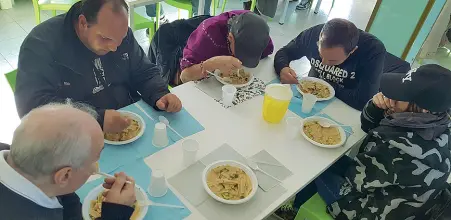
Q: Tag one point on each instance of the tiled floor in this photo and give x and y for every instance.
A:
(17, 22)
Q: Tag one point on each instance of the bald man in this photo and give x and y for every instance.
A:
(53, 153)
(90, 55)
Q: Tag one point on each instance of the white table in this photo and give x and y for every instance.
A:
(243, 128)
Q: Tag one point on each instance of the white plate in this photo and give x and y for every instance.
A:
(331, 89)
(236, 85)
(331, 122)
(140, 196)
(141, 123)
(245, 168)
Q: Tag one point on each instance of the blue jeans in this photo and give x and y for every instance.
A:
(195, 4)
(327, 185)
(151, 10)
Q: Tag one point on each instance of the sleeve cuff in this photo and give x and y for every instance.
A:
(112, 211)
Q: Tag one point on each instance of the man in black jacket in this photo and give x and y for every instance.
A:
(349, 59)
(53, 153)
(89, 55)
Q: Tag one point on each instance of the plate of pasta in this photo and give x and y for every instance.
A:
(92, 204)
(134, 131)
(318, 87)
(327, 137)
(230, 182)
(239, 78)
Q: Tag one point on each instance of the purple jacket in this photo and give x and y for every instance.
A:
(210, 40)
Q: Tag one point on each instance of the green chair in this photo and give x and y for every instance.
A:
(313, 209)
(51, 5)
(141, 22)
(224, 2)
(11, 78)
(186, 5)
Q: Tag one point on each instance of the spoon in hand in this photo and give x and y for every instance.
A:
(165, 121)
(255, 167)
(97, 171)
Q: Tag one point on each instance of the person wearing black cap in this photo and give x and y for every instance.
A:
(225, 42)
(350, 59)
(404, 162)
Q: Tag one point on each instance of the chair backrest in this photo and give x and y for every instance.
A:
(11, 78)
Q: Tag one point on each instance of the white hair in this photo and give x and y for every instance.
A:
(69, 145)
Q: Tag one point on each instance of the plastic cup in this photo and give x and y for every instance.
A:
(190, 148)
(158, 186)
(308, 101)
(276, 101)
(292, 127)
(160, 135)
(228, 94)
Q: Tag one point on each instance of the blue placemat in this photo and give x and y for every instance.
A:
(141, 173)
(296, 102)
(183, 122)
(115, 156)
(346, 128)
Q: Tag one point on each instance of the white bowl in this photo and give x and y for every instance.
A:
(236, 85)
(92, 195)
(331, 122)
(141, 123)
(245, 168)
(331, 89)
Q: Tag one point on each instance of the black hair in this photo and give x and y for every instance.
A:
(339, 32)
(90, 8)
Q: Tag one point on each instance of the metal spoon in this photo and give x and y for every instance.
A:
(213, 74)
(326, 124)
(97, 171)
(151, 203)
(165, 121)
(253, 165)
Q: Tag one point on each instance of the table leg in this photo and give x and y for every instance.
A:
(284, 13)
(201, 7)
(318, 5)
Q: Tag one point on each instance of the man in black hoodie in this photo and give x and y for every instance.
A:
(53, 153)
(90, 55)
(351, 60)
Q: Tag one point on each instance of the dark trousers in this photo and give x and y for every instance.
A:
(327, 185)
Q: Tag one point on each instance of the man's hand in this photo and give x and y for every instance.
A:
(288, 76)
(169, 103)
(119, 191)
(114, 122)
(383, 102)
(226, 64)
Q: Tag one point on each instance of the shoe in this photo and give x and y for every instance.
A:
(163, 20)
(287, 211)
(304, 5)
(247, 5)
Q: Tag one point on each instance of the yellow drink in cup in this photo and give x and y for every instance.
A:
(276, 101)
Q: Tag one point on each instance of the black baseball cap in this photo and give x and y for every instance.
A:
(251, 34)
(428, 86)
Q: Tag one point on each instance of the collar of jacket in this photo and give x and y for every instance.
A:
(427, 125)
(74, 49)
